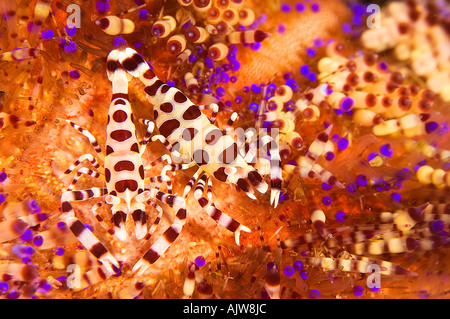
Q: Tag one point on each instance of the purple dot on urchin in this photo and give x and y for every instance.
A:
(327, 201)
(340, 216)
(74, 74)
(288, 271)
(361, 180)
(375, 289)
(351, 188)
(102, 6)
(33, 206)
(292, 83)
(59, 251)
(342, 143)
(13, 295)
(304, 70)
(383, 66)
(371, 156)
(38, 241)
(255, 46)
(314, 294)
(346, 104)
(431, 126)
(27, 235)
(285, 7)
(235, 65)
(262, 18)
(312, 77)
(437, 226)
(358, 291)
(396, 196)
(311, 52)
(47, 34)
(346, 27)
(281, 28)
(71, 30)
(44, 287)
(318, 42)
(4, 286)
(300, 7)
(357, 20)
(315, 7)
(231, 56)
(386, 150)
(70, 47)
(143, 14)
(298, 265)
(220, 91)
(118, 42)
(22, 251)
(199, 261)
(61, 225)
(255, 88)
(329, 156)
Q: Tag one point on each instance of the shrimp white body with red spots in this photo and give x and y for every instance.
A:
(194, 139)
(124, 175)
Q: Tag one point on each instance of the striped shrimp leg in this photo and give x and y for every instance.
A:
(307, 169)
(437, 209)
(263, 145)
(81, 159)
(170, 234)
(360, 265)
(91, 139)
(389, 246)
(312, 238)
(275, 168)
(317, 147)
(215, 213)
(83, 234)
(83, 171)
(89, 278)
(206, 203)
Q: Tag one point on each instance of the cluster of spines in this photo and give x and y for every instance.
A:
(194, 23)
(412, 229)
(364, 88)
(20, 276)
(418, 34)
